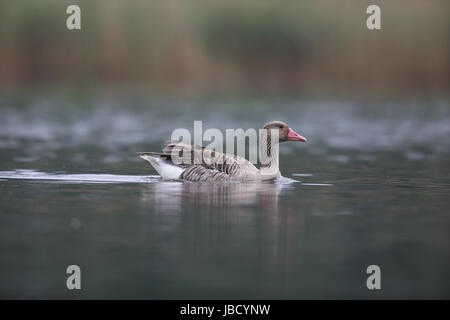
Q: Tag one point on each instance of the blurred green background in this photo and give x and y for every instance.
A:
(295, 48)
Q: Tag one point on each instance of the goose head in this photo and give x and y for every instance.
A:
(285, 133)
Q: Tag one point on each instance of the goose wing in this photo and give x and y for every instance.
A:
(202, 164)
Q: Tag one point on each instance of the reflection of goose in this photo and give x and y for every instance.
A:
(198, 221)
(174, 195)
(216, 166)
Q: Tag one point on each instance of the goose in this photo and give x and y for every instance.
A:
(216, 166)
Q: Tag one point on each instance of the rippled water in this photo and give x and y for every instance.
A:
(371, 186)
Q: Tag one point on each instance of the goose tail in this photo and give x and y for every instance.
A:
(166, 169)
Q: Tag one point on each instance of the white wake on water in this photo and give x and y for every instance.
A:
(27, 174)
(76, 178)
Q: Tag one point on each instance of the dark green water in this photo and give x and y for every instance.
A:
(373, 188)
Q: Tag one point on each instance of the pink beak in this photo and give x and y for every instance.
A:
(294, 136)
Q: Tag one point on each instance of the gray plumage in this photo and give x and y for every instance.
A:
(199, 164)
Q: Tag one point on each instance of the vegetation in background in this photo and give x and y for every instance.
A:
(204, 47)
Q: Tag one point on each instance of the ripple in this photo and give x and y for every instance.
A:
(26, 174)
(76, 178)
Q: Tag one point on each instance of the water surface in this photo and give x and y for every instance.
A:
(371, 186)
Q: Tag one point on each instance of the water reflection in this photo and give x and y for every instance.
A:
(176, 195)
(248, 222)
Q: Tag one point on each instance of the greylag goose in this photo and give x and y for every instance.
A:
(215, 166)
